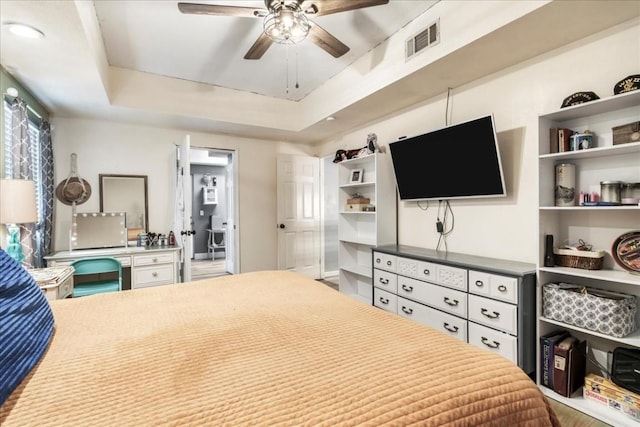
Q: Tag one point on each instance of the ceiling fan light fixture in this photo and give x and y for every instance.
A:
(286, 24)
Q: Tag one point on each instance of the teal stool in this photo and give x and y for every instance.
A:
(89, 276)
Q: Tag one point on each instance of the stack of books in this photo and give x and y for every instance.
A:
(563, 359)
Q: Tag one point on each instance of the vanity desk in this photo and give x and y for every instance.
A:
(142, 267)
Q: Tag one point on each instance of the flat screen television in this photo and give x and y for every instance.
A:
(458, 161)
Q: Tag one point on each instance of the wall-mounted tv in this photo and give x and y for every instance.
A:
(458, 161)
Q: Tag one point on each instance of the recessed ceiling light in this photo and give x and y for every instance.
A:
(24, 30)
(330, 118)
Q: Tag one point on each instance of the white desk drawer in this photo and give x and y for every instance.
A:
(445, 299)
(452, 277)
(66, 288)
(384, 261)
(498, 315)
(385, 300)
(416, 269)
(495, 341)
(153, 276)
(443, 322)
(494, 286)
(385, 280)
(152, 259)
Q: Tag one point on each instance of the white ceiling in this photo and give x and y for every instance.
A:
(145, 62)
(154, 37)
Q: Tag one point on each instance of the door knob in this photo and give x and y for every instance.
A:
(281, 226)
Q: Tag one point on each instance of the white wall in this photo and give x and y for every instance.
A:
(117, 148)
(507, 227)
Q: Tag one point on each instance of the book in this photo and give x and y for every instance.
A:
(561, 365)
(553, 140)
(564, 139)
(576, 367)
(547, 342)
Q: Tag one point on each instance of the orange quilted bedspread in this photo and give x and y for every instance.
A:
(266, 348)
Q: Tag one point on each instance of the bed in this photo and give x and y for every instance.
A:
(263, 348)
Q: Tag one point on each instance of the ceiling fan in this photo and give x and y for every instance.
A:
(286, 21)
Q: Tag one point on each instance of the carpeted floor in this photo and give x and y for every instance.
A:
(568, 416)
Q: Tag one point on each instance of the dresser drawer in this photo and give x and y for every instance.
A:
(452, 277)
(498, 315)
(385, 280)
(384, 261)
(498, 342)
(494, 286)
(152, 259)
(416, 269)
(445, 299)
(385, 300)
(443, 322)
(153, 276)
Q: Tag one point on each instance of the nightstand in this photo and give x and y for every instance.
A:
(55, 282)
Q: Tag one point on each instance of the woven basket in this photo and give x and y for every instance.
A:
(585, 260)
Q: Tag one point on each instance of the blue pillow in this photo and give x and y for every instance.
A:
(26, 324)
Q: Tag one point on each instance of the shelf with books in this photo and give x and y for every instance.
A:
(598, 226)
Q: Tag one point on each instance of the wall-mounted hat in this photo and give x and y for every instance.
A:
(579, 98)
(73, 189)
(627, 84)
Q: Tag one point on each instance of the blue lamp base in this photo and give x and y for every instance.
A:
(14, 248)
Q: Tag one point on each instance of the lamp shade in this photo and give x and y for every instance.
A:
(17, 201)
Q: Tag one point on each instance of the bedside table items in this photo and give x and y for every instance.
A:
(626, 251)
(565, 190)
(55, 282)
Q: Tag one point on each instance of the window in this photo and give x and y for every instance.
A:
(34, 137)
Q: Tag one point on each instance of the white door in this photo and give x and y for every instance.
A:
(231, 236)
(299, 214)
(183, 207)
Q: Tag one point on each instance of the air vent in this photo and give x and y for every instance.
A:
(426, 38)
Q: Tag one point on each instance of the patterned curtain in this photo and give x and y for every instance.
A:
(45, 224)
(22, 168)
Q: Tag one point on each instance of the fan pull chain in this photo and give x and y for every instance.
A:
(297, 84)
(287, 67)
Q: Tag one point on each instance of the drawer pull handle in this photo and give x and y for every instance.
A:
(407, 310)
(384, 300)
(155, 260)
(378, 260)
(407, 288)
(486, 313)
(426, 272)
(384, 281)
(453, 329)
(452, 303)
(479, 283)
(154, 274)
(502, 288)
(389, 263)
(486, 342)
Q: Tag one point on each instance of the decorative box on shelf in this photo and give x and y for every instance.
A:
(586, 260)
(357, 204)
(626, 133)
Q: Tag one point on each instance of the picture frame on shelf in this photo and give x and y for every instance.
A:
(355, 176)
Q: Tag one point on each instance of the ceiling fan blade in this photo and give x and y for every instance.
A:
(327, 7)
(211, 9)
(326, 41)
(259, 47)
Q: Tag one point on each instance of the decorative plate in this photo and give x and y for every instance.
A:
(626, 251)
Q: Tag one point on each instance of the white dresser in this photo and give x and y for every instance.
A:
(141, 266)
(484, 301)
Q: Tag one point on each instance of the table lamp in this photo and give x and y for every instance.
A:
(17, 206)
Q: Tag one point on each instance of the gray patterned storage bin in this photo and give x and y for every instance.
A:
(610, 313)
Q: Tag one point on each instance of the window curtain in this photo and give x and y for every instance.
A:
(45, 219)
(25, 157)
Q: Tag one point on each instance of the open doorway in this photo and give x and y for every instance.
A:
(213, 212)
